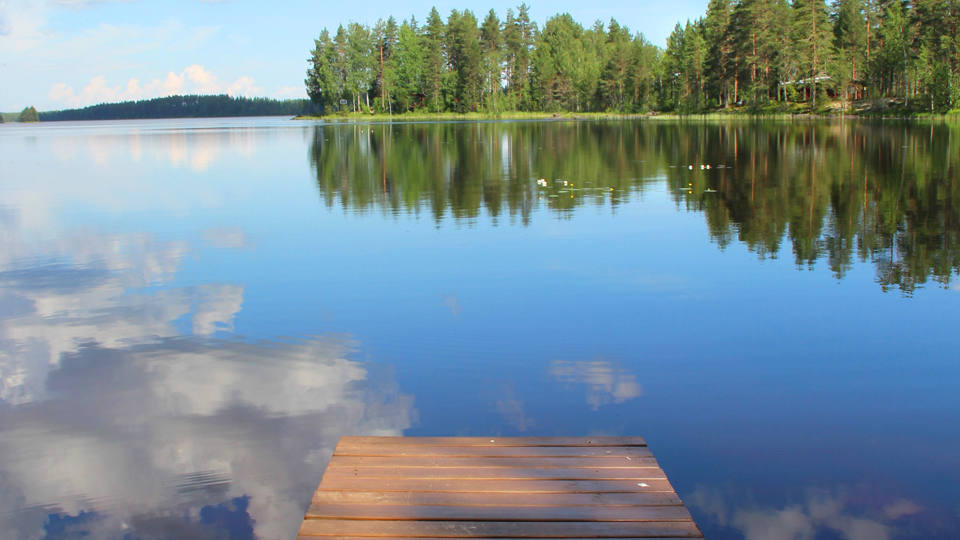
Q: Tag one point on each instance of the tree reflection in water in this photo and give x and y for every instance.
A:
(838, 192)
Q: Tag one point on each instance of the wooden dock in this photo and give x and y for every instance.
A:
(473, 487)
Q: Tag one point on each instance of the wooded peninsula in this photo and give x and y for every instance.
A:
(189, 106)
(757, 56)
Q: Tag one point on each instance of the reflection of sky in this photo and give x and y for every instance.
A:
(780, 402)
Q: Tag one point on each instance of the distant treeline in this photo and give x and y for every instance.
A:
(193, 106)
(762, 53)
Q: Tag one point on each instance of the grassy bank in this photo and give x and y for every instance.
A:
(798, 111)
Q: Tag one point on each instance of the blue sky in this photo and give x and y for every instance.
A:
(58, 54)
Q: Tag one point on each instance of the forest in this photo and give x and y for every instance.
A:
(754, 55)
(192, 106)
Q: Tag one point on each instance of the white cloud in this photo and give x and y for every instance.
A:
(80, 4)
(290, 92)
(194, 79)
(244, 86)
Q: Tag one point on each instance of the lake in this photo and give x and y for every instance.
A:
(193, 311)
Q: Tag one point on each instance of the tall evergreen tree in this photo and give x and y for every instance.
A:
(361, 64)
(615, 77)
(462, 41)
(433, 56)
(491, 46)
(519, 34)
(849, 25)
(812, 38)
(405, 68)
(716, 27)
(324, 86)
(29, 114)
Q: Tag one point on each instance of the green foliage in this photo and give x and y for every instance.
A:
(761, 56)
(29, 114)
(192, 106)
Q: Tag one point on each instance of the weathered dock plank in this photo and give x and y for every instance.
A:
(381, 450)
(495, 441)
(484, 486)
(603, 462)
(504, 488)
(499, 473)
(659, 498)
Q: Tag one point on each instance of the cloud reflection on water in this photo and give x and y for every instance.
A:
(821, 513)
(115, 424)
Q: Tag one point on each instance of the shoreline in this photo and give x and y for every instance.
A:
(729, 115)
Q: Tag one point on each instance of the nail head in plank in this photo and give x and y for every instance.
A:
(518, 487)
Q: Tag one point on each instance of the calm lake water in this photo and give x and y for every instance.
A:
(192, 312)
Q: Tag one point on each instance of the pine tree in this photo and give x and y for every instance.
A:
(462, 41)
(849, 25)
(694, 56)
(337, 59)
(324, 86)
(361, 70)
(433, 57)
(491, 45)
(716, 27)
(812, 43)
(29, 114)
(615, 78)
(519, 35)
(405, 67)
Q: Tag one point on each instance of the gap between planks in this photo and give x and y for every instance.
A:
(380, 450)
(493, 441)
(496, 513)
(494, 486)
(504, 488)
(498, 529)
(602, 462)
(481, 473)
(497, 499)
